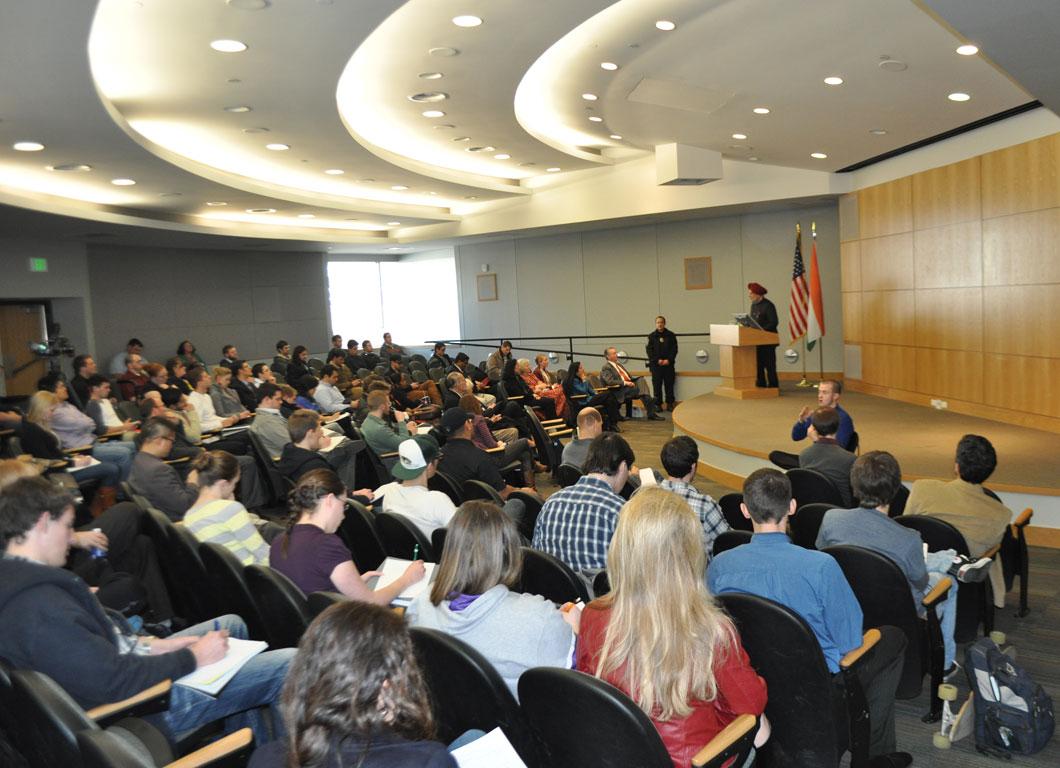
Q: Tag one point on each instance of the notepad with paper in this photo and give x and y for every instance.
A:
(490, 751)
(213, 677)
(392, 569)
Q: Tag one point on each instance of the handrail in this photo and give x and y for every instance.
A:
(494, 342)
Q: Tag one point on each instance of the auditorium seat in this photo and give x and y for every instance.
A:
(809, 486)
(401, 537)
(567, 475)
(230, 589)
(357, 531)
(532, 504)
(478, 490)
(728, 540)
(102, 749)
(551, 578)
(730, 508)
(281, 604)
(805, 524)
(442, 482)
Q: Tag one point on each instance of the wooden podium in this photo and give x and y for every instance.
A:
(739, 361)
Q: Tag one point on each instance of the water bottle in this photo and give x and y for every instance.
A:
(97, 553)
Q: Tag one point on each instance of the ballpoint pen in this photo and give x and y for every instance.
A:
(416, 552)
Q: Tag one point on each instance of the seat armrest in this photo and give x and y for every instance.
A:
(580, 397)
(868, 642)
(546, 422)
(230, 746)
(1023, 519)
(79, 449)
(560, 432)
(388, 455)
(515, 397)
(148, 701)
(181, 460)
(939, 593)
(497, 449)
(730, 736)
(992, 551)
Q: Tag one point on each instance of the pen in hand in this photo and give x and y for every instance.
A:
(416, 552)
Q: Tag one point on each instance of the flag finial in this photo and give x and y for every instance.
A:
(813, 228)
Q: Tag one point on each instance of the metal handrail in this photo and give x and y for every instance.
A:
(493, 342)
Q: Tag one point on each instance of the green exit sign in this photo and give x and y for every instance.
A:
(37, 264)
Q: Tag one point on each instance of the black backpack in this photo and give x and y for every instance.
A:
(1013, 714)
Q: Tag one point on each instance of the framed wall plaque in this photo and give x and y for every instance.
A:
(698, 273)
(486, 286)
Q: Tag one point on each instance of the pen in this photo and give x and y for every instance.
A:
(216, 625)
(416, 552)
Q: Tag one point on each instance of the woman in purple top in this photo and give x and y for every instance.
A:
(314, 558)
(514, 450)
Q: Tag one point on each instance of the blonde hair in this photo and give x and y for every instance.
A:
(220, 371)
(665, 633)
(40, 407)
(12, 470)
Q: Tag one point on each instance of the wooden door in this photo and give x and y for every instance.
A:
(21, 324)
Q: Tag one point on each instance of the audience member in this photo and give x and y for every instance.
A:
(589, 425)
(581, 394)
(262, 374)
(480, 381)
(472, 598)
(187, 354)
(541, 371)
(226, 400)
(289, 400)
(812, 584)
(307, 389)
(299, 365)
(662, 358)
(84, 367)
(174, 407)
(825, 455)
(101, 410)
(269, 424)
(828, 393)
(498, 359)
(680, 459)
(157, 378)
(348, 384)
(369, 358)
(202, 402)
(613, 373)
(699, 679)
(388, 347)
(378, 433)
(177, 369)
(553, 392)
(229, 356)
(576, 523)
(132, 382)
(327, 394)
(512, 450)
(314, 558)
(355, 697)
(336, 343)
(516, 386)
(117, 365)
(463, 461)
(217, 517)
(283, 357)
(157, 481)
(243, 385)
(438, 358)
(408, 495)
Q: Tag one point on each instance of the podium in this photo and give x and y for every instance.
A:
(739, 361)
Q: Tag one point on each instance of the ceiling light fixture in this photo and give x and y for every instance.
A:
(69, 167)
(471, 197)
(261, 210)
(278, 147)
(122, 182)
(753, 159)
(334, 171)
(433, 113)
(527, 165)
(665, 25)
(595, 119)
(480, 149)
(443, 51)
(393, 223)
(878, 132)
(502, 156)
(256, 129)
(399, 187)
(27, 146)
(818, 155)
(761, 110)
(553, 169)
(306, 216)
(248, 5)
(739, 136)
(238, 108)
(462, 138)
(610, 66)
(228, 46)
(833, 80)
(589, 96)
(430, 75)
(958, 96)
(215, 203)
(429, 96)
(967, 49)
(616, 137)
(467, 21)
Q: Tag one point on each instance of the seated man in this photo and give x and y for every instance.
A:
(613, 373)
(964, 504)
(498, 359)
(462, 460)
(876, 478)
(243, 384)
(576, 523)
(261, 374)
(812, 584)
(118, 364)
(389, 347)
(457, 385)
(209, 421)
(479, 380)
(680, 459)
(101, 409)
(825, 455)
(438, 358)
(369, 359)
(133, 381)
(229, 356)
(157, 481)
(176, 369)
(327, 394)
(349, 385)
(310, 447)
(269, 424)
(84, 367)
(828, 393)
(408, 495)
(54, 624)
(590, 424)
(380, 436)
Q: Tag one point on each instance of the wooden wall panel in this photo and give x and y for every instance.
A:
(949, 256)
(850, 265)
(950, 373)
(1025, 384)
(1022, 178)
(886, 209)
(889, 366)
(947, 195)
(848, 217)
(888, 317)
(1022, 249)
(1022, 320)
(950, 318)
(852, 317)
(887, 263)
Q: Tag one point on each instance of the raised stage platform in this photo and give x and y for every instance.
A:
(735, 438)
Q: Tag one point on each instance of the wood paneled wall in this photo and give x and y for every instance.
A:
(951, 285)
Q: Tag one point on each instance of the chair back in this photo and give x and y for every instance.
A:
(442, 482)
(532, 504)
(545, 447)
(357, 531)
(419, 375)
(601, 584)
(230, 587)
(277, 483)
(808, 486)
(897, 506)
(316, 365)
(476, 489)
(551, 578)
(467, 692)
(730, 508)
(438, 541)
(805, 524)
(280, 602)
(401, 537)
(418, 358)
(802, 705)
(48, 720)
(583, 721)
(728, 540)
(854, 444)
(318, 602)
(182, 568)
(129, 410)
(567, 475)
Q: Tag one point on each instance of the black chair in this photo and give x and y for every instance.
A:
(1021, 556)
(278, 484)
(102, 749)
(809, 728)
(438, 541)
(280, 602)
(230, 587)
(897, 505)
(440, 481)
(567, 475)
(401, 538)
(551, 578)
(728, 540)
(128, 410)
(601, 584)
(730, 508)
(532, 502)
(318, 602)
(809, 486)
(357, 531)
(544, 440)
(467, 692)
(885, 599)
(975, 602)
(182, 569)
(854, 445)
(804, 525)
(611, 730)
(476, 489)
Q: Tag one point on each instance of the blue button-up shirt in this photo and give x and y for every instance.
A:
(808, 582)
(576, 524)
(842, 435)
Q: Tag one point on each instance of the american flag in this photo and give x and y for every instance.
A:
(799, 291)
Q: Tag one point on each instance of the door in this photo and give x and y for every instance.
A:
(20, 326)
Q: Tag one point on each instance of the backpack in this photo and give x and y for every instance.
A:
(1013, 714)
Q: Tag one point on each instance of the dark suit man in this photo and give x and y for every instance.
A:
(662, 359)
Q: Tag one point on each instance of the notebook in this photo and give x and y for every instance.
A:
(213, 677)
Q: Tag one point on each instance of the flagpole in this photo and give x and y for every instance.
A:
(804, 382)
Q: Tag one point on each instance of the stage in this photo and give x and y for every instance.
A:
(736, 436)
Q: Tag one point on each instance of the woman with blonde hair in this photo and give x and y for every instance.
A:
(226, 400)
(660, 637)
(471, 597)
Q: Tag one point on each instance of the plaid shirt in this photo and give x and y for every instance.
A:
(576, 524)
(704, 506)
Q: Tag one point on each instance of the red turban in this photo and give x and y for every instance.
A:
(757, 288)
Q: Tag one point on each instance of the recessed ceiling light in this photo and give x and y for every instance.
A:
(433, 113)
(27, 146)
(471, 197)
(616, 137)
(399, 187)
(238, 108)
(306, 216)
(967, 49)
(69, 167)
(753, 158)
(393, 223)
(278, 147)
(462, 138)
(665, 26)
(429, 96)
(444, 51)
(467, 21)
(430, 75)
(233, 80)
(553, 169)
(589, 96)
(958, 96)
(443, 126)
(256, 129)
(878, 132)
(818, 155)
(595, 119)
(215, 203)
(261, 210)
(480, 149)
(527, 165)
(248, 5)
(761, 110)
(170, 194)
(833, 80)
(502, 156)
(892, 65)
(739, 136)
(432, 193)
(394, 248)
(228, 46)
(365, 181)
(122, 182)
(334, 171)
(610, 66)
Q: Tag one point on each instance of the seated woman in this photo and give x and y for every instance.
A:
(299, 365)
(577, 383)
(697, 679)
(514, 450)
(471, 597)
(217, 517)
(226, 400)
(514, 386)
(354, 696)
(187, 354)
(553, 392)
(313, 557)
(157, 378)
(307, 387)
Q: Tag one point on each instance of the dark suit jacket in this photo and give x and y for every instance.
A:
(160, 484)
(832, 461)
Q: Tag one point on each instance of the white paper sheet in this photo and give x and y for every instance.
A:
(213, 677)
(491, 751)
(392, 569)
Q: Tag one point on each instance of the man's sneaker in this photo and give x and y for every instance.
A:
(970, 571)
(952, 671)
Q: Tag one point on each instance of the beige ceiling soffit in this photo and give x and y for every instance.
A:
(674, 95)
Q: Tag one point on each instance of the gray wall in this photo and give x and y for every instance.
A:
(617, 281)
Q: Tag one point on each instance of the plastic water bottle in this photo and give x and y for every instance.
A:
(97, 553)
